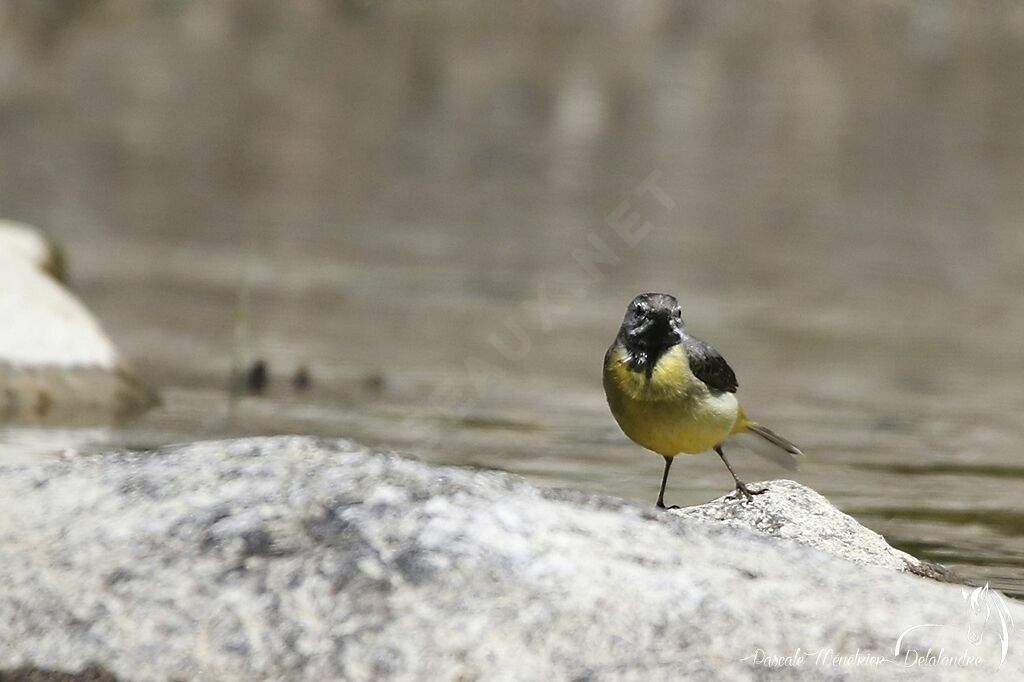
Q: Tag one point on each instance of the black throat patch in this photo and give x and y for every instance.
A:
(645, 359)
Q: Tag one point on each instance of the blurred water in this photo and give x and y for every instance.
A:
(442, 213)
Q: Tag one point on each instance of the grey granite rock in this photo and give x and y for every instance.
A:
(795, 512)
(304, 559)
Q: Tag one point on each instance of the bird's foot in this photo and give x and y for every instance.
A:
(661, 505)
(743, 492)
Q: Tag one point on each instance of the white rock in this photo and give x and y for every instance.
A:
(56, 362)
(27, 244)
(44, 324)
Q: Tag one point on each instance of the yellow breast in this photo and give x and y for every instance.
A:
(671, 411)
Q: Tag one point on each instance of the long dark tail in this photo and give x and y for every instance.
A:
(768, 444)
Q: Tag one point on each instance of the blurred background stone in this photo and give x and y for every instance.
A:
(56, 363)
(28, 244)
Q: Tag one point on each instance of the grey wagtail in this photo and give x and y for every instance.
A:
(671, 392)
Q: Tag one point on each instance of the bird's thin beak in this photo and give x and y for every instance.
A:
(641, 328)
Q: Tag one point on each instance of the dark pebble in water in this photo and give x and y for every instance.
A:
(375, 382)
(257, 377)
(301, 380)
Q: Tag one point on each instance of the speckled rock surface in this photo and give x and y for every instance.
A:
(795, 512)
(303, 559)
(56, 362)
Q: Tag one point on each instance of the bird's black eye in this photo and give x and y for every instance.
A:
(677, 313)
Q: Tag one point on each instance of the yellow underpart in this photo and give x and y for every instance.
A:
(672, 411)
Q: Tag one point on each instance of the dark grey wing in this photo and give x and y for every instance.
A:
(708, 366)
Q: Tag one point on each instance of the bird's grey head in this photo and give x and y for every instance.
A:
(652, 321)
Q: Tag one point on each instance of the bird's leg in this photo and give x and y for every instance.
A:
(741, 487)
(664, 480)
